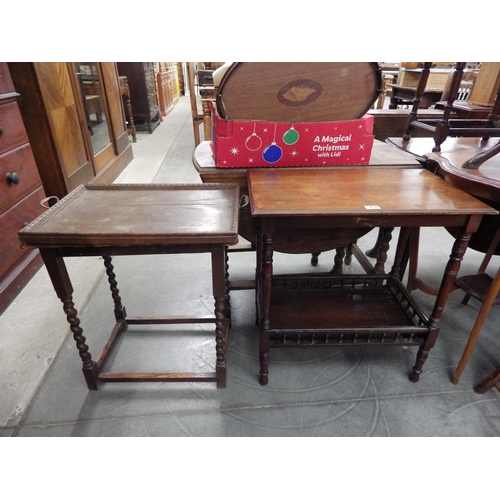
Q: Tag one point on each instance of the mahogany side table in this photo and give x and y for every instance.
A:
(383, 156)
(124, 219)
(322, 310)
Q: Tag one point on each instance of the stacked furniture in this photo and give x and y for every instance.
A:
(448, 126)
(403, 91)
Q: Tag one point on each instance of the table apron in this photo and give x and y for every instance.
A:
(86, 251)
(269, 224)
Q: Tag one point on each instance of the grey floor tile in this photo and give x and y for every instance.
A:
(445, 416)
(311, 392)
(383, 417)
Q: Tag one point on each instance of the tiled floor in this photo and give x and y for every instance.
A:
(337, 392)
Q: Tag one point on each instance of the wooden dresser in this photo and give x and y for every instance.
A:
(143, 95)
(20, 194)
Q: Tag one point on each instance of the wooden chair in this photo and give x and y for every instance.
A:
(207, 94)
(447, 126)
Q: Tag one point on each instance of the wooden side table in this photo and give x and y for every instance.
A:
(138, 220)
(383, 156)
(323, 310)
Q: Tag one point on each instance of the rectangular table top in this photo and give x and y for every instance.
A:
(382, 155)
(357, 192)
(137, 215)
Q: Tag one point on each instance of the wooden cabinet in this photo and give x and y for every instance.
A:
(143, 95)
(21, 192)
(72, 142)
(166, 82)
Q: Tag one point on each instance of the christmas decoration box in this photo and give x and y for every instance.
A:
(239, 143)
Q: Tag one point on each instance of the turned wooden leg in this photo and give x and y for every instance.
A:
(120, 312)
(266, 280)
(62, 285)
(338, 261)
(447, 286)
(89, 367)
(226, 287)
(419, 363)
(220, 285)
(379, 267)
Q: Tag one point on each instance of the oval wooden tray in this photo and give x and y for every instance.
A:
(299, 91)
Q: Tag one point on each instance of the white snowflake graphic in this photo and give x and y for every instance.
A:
(294, 153)
(234, 151)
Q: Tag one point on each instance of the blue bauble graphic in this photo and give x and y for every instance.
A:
(272, 153)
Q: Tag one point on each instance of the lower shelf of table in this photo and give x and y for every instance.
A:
(317, 310)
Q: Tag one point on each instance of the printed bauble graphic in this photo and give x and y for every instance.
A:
(253, 142)
(290, 137)
(272, 153)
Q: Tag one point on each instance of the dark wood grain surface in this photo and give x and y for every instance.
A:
(127, 215)
(357, 192)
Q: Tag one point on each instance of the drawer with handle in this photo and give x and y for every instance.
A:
(12, 131)
(18, 175)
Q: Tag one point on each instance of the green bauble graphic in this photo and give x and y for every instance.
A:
(291, 136)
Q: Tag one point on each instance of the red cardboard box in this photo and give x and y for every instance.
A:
(280, 144)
